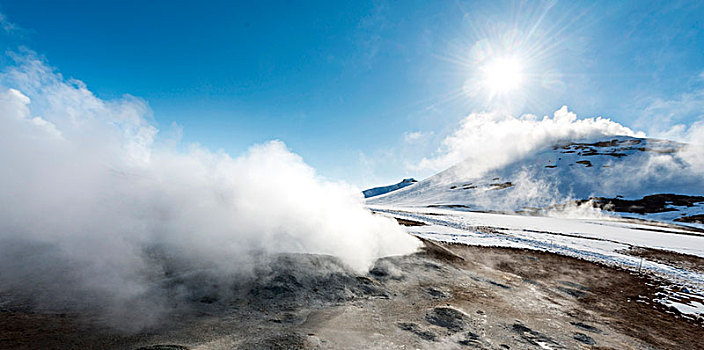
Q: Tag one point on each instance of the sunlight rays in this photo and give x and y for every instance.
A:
(510, 62)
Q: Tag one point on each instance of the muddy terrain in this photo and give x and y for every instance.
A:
(445, 297)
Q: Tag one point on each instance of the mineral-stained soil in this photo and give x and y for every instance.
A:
(446, 297)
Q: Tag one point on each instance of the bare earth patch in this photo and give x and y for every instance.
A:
(408, 222)
(448, 297)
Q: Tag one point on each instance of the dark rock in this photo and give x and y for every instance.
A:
(208, 299)
(436, 293)
(534, 337)
(303, 279)
(384, 270)
(408, 222)
(500, 186)
(583, 338)
(573, 285)
(501, 285)
(282, 286)
(694, 219)
(573, 292)
(586, 327)
(656, 203)
(473, 340)
(447, 317)
(417, 330)
(379, 272)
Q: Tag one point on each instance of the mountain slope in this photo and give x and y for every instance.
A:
(624, 169)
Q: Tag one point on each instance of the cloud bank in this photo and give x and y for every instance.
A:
(88, 194)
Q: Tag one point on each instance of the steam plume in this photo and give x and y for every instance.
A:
(88, 194)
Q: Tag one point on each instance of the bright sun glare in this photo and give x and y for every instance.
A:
(503, 74)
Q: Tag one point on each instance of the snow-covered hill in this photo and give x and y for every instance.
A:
(617, 173)
(377, 191)
(658, 180)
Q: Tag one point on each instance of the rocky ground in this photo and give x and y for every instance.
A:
(445, 297)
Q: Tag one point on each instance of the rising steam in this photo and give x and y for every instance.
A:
(490, 140)
(88, 194)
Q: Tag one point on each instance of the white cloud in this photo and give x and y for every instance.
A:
(415, 136)
(680, 119)
(666, 118)
(489, 140)
(6, 25)
(104, 193)
(367, 36)
(14, 105)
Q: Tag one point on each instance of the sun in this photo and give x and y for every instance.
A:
(503, 74)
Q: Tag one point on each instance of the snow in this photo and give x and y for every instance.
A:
(685, 301)
(602, 240)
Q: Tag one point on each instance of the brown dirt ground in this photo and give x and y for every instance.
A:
(612, 295)
(446, 297)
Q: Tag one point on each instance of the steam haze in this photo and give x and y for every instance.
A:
(88, 196)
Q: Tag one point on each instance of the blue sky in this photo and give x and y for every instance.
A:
(364, 90)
